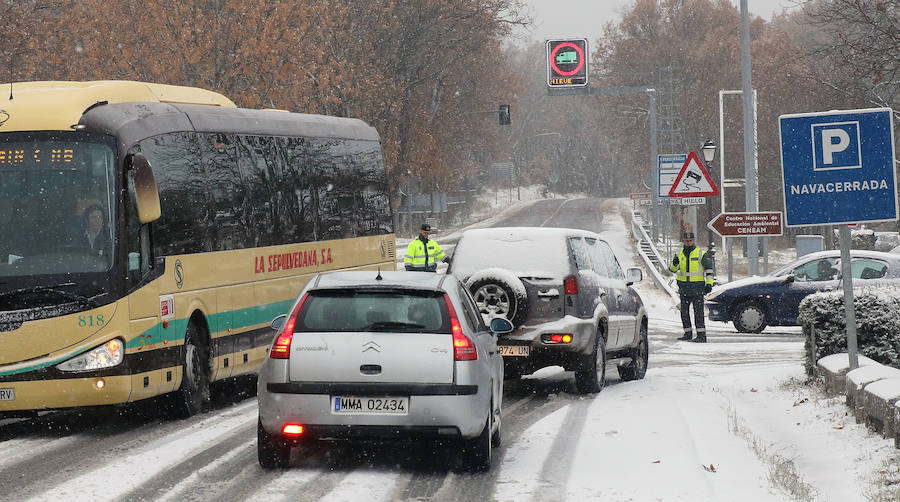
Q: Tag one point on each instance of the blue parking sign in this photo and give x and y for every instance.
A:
(838, 167)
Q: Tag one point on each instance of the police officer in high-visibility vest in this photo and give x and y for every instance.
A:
(695, 275)
(422, 254)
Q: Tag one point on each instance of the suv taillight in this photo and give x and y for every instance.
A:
(571, 283)
(281, 349)
(463, 348)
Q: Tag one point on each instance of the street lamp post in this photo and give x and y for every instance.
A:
(709, 154)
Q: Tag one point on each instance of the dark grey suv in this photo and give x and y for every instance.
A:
(565, 293)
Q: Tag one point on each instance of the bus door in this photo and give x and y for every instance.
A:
(147, 345)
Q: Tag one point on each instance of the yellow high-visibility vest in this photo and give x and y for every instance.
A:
(690, 268)
(416, 258)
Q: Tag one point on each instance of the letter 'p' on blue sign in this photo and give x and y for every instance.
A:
(836, 146)
(838, 167)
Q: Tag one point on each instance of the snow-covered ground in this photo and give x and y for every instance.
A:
(733, 401)
(730, 420)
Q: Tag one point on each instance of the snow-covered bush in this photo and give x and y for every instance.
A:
(860, 238)
(877, 311)
(886, 241)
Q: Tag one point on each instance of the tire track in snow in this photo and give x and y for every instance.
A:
(114, 478)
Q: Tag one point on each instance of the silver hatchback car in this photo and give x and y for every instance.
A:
(382, 355)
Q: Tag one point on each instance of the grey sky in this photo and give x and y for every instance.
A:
(585, 18)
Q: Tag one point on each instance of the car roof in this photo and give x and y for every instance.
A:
(388, 279)
(854, 253)
(515, 232)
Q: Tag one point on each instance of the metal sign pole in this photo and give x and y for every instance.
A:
(849, 310)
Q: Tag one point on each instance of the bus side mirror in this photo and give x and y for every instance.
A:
(145, 190)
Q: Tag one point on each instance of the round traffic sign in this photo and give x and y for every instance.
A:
(580, 60)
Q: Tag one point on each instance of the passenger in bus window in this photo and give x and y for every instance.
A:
(95, 231)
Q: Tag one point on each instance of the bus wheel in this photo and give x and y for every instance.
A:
(193, 395)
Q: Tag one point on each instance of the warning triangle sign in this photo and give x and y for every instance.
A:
(693, 180)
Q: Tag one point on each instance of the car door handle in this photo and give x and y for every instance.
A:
(551, 293)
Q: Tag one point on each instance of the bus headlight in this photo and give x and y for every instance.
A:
(107, 355)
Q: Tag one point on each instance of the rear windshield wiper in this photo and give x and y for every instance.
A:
(52, 289)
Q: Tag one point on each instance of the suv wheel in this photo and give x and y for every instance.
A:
(496, 297)
(592, 379)
(639, 355)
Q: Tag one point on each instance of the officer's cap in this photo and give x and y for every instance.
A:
(425, 227)
(687, 236)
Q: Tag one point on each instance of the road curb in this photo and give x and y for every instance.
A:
(872, 391)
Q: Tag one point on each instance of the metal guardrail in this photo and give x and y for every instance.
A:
(650, 255)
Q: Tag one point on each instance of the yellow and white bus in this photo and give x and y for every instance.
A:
(211, 218)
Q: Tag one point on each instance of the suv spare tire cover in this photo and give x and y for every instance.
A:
(499, 293)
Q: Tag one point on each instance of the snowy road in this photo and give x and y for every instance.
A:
(726, 421)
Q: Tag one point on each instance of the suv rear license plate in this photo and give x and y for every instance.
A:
(514, 350)
(352, 405)
(7, 394)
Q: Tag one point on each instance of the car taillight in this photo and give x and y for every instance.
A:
(463, 348)
(292, 430)
(556, 338)
(281, 349)
(571, 283)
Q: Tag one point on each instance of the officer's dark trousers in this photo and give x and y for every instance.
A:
(686, 303)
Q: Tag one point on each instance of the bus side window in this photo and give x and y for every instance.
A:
(138, 241)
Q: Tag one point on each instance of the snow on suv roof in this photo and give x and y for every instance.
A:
(526, 251)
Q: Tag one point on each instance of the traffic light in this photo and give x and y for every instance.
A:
(567, 63)
(504, 114)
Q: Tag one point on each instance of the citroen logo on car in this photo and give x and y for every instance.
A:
(371, 346)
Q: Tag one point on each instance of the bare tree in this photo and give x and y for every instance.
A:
(856, 47)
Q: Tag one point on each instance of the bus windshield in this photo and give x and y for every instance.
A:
(56, 207)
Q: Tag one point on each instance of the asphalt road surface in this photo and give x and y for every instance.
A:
(133, 454)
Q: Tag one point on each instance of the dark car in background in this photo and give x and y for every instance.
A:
(774, 299)
(565, 293)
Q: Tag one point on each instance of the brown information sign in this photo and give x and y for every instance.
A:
(746, 224)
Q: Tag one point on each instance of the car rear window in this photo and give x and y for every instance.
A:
(394, 311)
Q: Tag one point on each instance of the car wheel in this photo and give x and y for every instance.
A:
(496, 297)
(193, 395)
(592, 379)
(271, 451)
(496, 439)
(476, 452)
(639, 355)
(749, 318)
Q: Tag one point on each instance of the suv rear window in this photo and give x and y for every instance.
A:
(395, 311)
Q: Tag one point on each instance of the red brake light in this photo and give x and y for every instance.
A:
(463, 348)
(292, 430)
(571, 283)
(281, 349)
